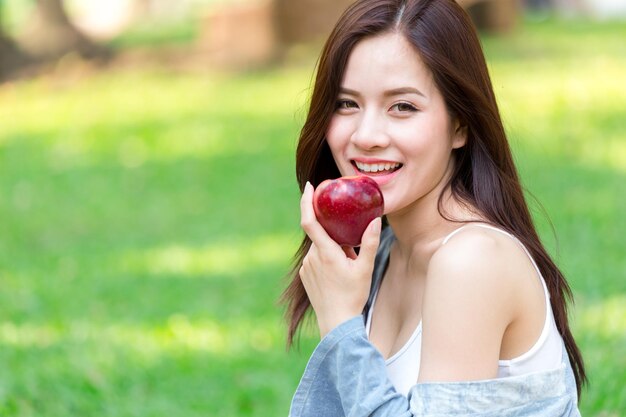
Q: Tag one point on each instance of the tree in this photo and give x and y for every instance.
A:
(11, 57)
(50, 34)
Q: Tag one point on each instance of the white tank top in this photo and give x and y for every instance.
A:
(403, 367)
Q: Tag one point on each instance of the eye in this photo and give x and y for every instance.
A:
(346, 105)
(404, 107)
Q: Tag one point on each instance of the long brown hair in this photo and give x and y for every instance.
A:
(484, 177)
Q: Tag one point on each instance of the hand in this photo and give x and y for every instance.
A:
(336, 280)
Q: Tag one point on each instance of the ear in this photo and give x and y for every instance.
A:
(459, 137)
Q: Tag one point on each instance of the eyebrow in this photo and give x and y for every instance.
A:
(388, 93)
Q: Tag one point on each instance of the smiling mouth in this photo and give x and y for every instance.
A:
(382, 168)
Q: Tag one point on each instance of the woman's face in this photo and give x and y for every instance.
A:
(391, 122)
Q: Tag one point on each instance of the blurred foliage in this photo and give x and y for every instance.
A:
(143, 35)
(149, 217)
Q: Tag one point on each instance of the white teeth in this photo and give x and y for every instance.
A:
(373, 168)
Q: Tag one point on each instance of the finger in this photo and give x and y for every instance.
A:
(309, 223)
(370, 242)
(349, 251)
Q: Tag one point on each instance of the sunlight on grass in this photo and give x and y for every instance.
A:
(606, 318)
(567, 110)
(217, 337)
(177, 334)
(146, 116)
(221, 258)
(28, 335)
(181, 334)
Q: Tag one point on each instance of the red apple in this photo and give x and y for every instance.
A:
(345, 207)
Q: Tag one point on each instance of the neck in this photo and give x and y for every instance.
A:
(420, 228)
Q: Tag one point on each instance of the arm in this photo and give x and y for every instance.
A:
(336, 280)
(469, 301)
(346, 357)
(346, 375)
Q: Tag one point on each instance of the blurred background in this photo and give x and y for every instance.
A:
(149, 210)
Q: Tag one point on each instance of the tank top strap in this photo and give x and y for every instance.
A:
(497, 229)
(486, 226)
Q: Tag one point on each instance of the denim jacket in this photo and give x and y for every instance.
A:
(346, 376)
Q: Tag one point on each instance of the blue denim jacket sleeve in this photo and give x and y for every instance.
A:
(346, 376)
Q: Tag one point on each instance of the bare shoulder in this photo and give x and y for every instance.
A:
(482, 272)
(475, 288)
(483, 256)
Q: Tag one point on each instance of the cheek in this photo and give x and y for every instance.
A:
(427, 137)
(411, 138)
(338, 134)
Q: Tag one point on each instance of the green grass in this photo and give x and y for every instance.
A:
(148, 218)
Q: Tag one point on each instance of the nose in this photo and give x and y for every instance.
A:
(370, 131)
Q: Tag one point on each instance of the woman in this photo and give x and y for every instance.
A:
(455, 307)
